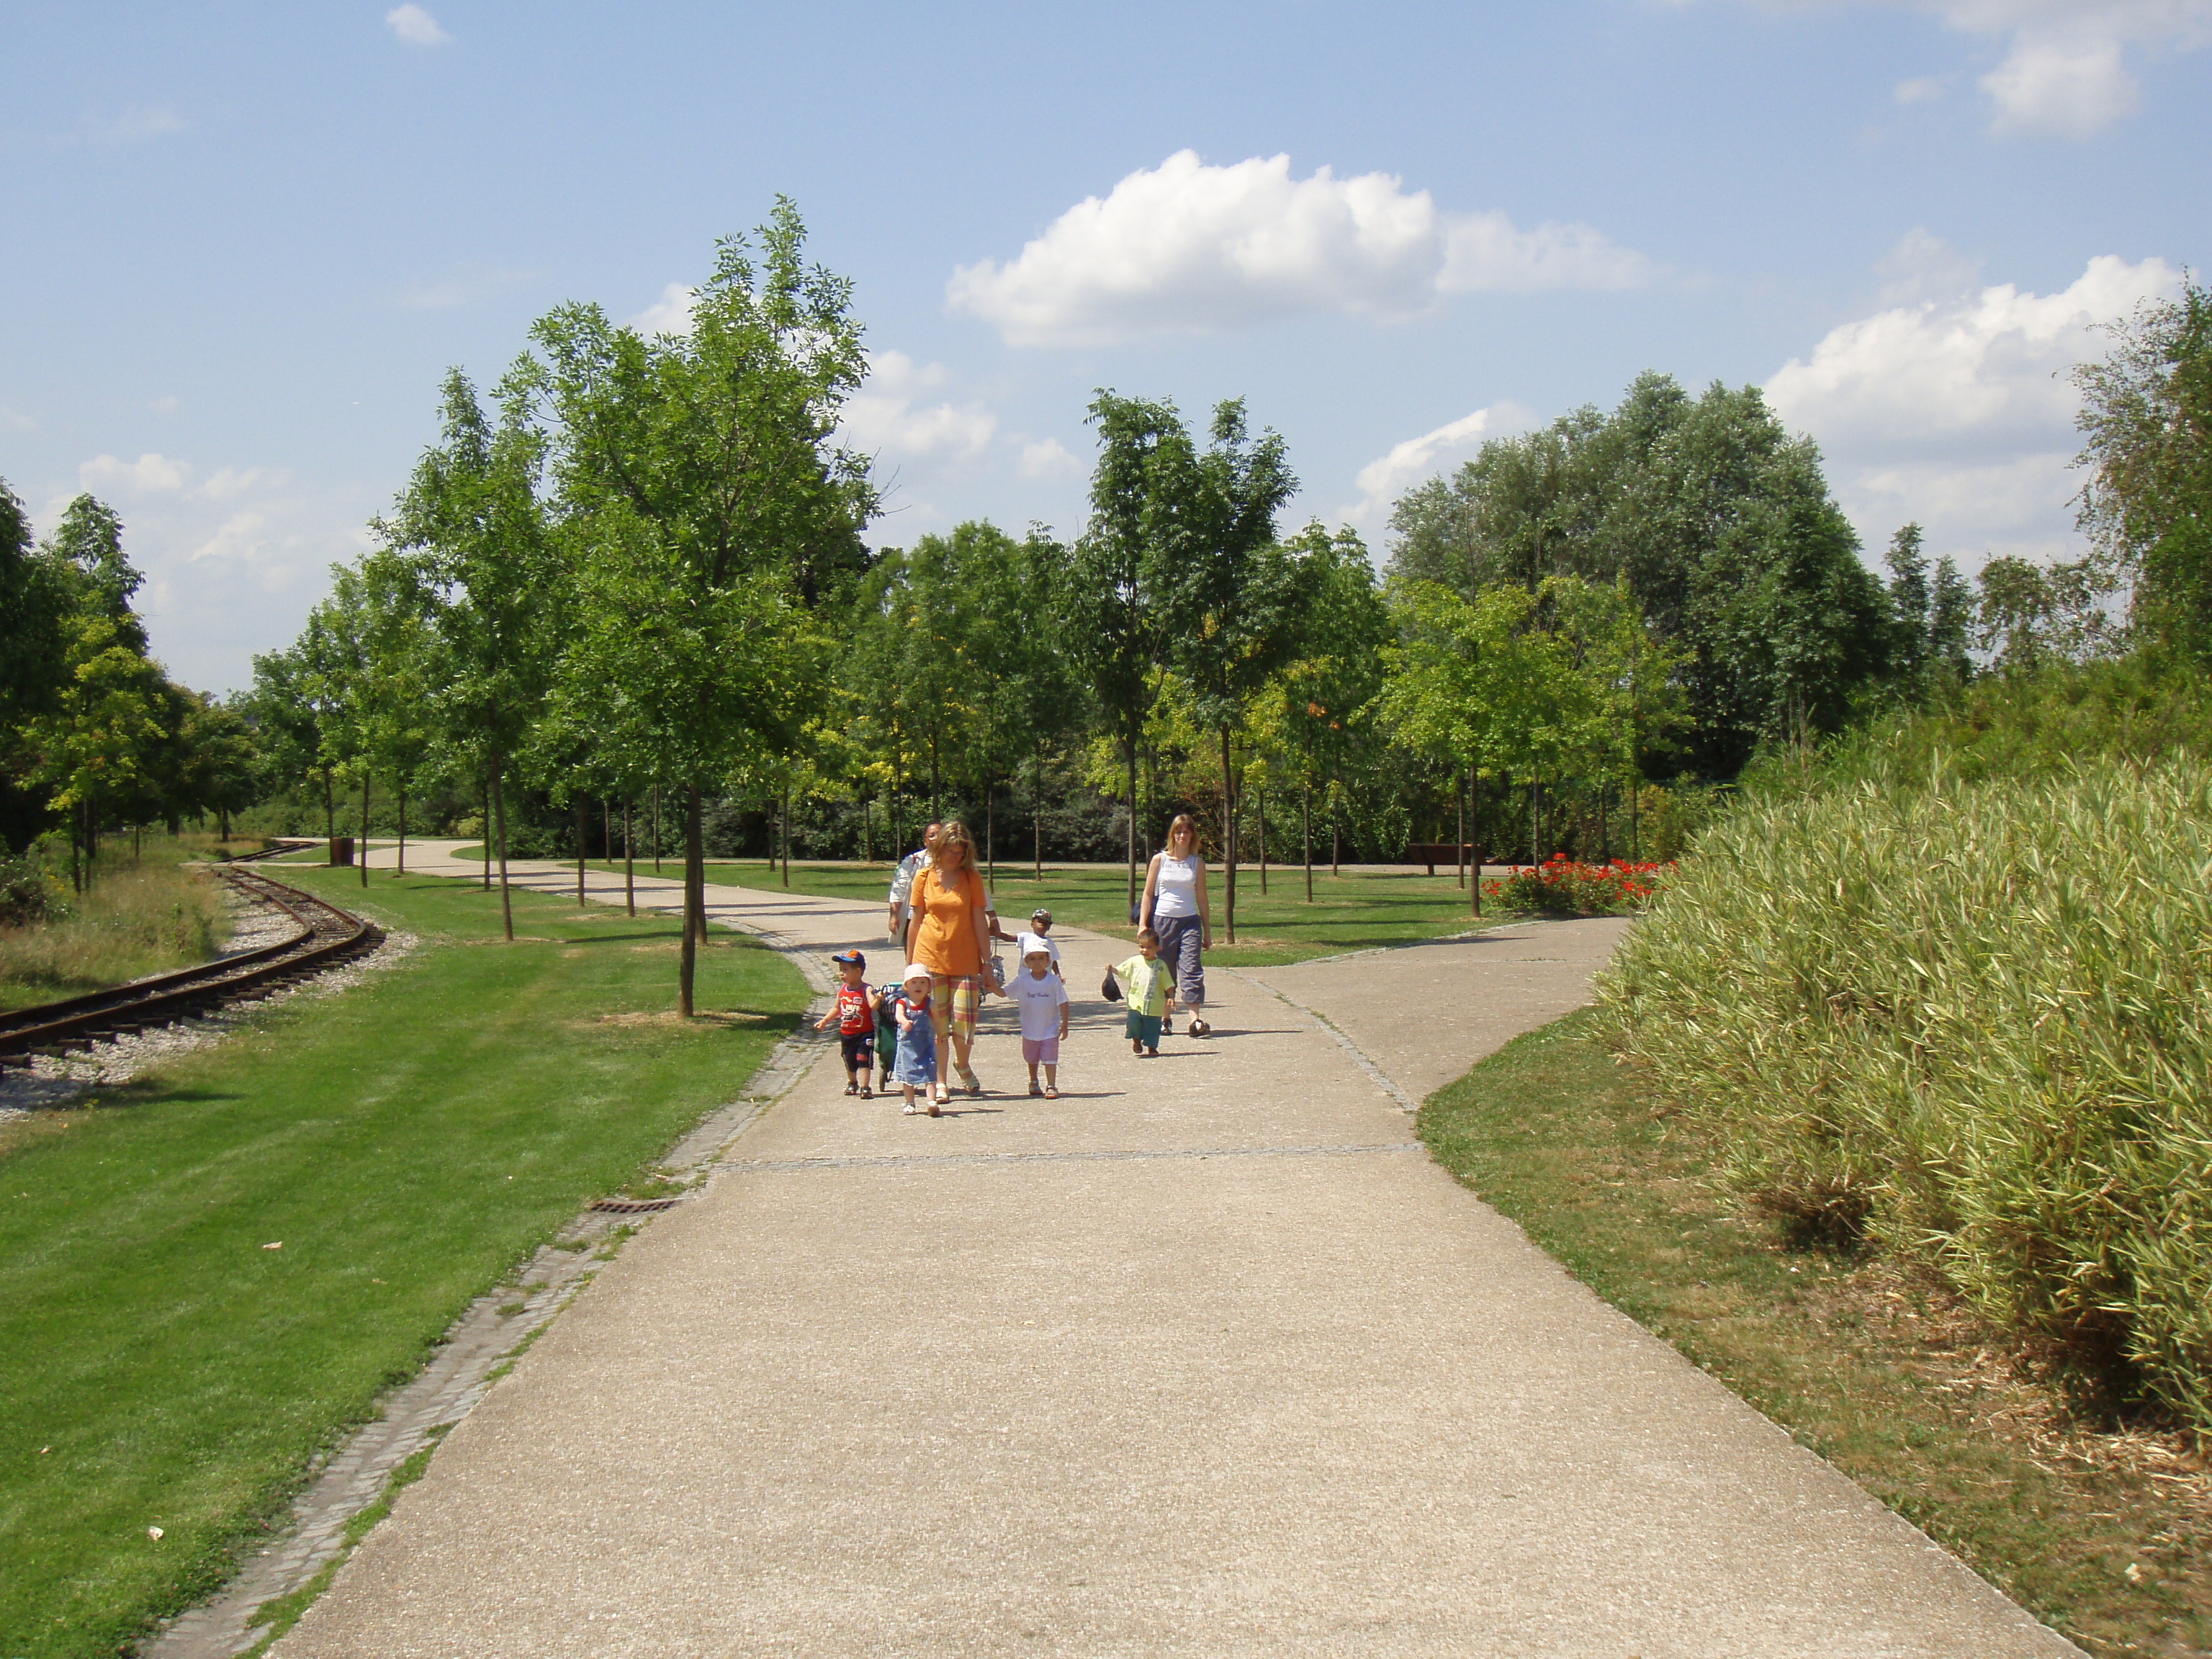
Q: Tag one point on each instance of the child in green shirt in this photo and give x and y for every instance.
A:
(1145, 979)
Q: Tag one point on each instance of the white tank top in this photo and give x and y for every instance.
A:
(1176, 892)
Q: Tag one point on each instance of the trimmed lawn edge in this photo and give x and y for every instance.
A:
(2105, 1532)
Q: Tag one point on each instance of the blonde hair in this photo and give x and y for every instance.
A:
(955, 834)
(1182, 821)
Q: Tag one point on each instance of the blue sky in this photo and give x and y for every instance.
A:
(245, 241)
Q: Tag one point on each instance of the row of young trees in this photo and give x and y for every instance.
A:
(93, 734)
(635, 569)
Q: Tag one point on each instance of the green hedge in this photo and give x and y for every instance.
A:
(1971, 1022)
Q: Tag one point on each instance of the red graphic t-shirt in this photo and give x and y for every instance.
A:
(853, 1015)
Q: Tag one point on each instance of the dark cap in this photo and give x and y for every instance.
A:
(1040, 911)
(850, 958)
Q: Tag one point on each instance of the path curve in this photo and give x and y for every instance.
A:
(1207, 1357)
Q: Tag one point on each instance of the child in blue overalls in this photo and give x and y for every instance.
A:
(916, 1066)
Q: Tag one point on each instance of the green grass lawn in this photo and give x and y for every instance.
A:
(1878, 1371)
(409, 1142)
(1351, 912)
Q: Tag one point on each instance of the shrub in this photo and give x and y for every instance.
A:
(1970, 1022)
(26, 895)
(1560, 886)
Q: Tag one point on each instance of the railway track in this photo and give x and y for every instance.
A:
(323, 937)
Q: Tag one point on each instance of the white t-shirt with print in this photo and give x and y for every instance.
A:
(1040, 1001)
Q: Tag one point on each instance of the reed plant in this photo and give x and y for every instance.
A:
(139, 917)
(1968, 1020)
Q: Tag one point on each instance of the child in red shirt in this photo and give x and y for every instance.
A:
(854, 1016)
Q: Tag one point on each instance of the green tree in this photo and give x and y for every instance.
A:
(1109, 613)
(2146, 421)
(1326, 691)
(703, 479)
(1229, 595)
(474, 523)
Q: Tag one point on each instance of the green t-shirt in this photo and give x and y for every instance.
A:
(1145, 983)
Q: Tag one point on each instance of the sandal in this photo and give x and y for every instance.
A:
(866, 1093)
(1034, 1091)
(1052, 1094)
(1198, 1028)
(913, 1110)
(851, 1088)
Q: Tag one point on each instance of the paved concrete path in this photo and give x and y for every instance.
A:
(1205, 1358)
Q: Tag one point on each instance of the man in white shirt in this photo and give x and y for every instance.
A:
(903, 879)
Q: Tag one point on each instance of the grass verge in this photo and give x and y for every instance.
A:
(141, 915)
(1356, 911)
(406, 1143)
(2107, 1535)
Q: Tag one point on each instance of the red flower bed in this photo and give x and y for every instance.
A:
(1561, 886)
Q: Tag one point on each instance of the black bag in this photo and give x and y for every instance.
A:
(1111, 988)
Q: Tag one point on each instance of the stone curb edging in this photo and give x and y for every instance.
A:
(469, 1357)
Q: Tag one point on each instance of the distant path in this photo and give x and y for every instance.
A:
(1207, 1359)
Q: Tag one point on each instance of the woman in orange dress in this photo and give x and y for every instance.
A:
(948, 933)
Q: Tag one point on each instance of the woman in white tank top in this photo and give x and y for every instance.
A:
(1176, 908)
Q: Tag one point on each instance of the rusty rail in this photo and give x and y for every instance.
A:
(324, 937)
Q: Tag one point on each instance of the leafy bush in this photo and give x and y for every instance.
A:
(1972, 1023)
(1560, 886)
(26, 895)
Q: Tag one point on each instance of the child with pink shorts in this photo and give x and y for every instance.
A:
(1042, 997)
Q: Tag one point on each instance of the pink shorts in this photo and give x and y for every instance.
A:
(1040, 1051)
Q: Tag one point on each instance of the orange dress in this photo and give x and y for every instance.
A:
(950, 917)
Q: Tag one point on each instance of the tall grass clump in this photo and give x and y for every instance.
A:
(137, 918)
(1970, 1021)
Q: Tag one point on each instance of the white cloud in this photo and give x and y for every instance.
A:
(1048, 458)
(169, 404)
(149, 474)
(415, 26)
(1980, 375)
(2065, 71)
(14, 420)
(136, 124)
(1192, 247)
(669, 314)
(240, 536)
(1385, 478)
(471, 282)
(229, 482)
(1920, 90)
(889, 413)
(1956, 410)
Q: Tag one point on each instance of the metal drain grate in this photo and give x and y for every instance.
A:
(632, 1205)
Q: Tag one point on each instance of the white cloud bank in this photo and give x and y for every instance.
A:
(1384, 479)
(1956, 410)
(1190, 247)
(2065, 68)
(415, 26)
(891, 413)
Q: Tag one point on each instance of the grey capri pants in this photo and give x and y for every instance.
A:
(1179, 936)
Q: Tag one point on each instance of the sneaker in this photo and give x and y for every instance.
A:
(1167, 1024)
(1198, 1028)
(913, 1110)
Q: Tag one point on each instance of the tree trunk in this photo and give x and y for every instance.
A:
(579, 850)
(629, 863)
(1260, 817)
(1459, 853)
(1037, 824)
(1534, 856)
(1474, 850)
(499, 808)
(1604, 828)
(787, 836)
(330, 806)
(1635, 823)
(1335, 845)
(656, 829)
(363, 859)
(486, 849)
(606, 828)
(1132, 831)
(695, 903)
(403, 832)
(867, 853)
(1305, 832)
(1229, 838)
